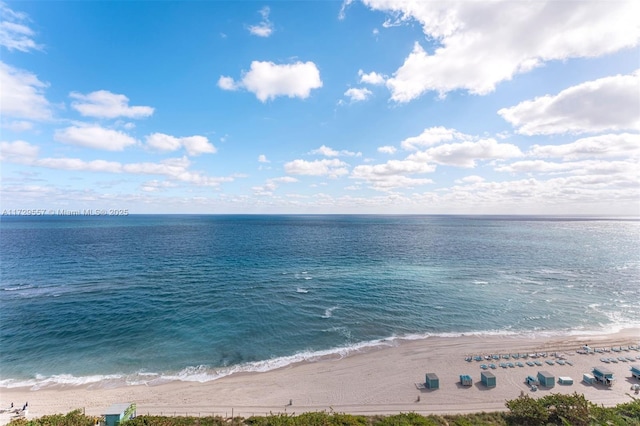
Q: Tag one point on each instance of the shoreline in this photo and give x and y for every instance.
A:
(378, 380)
(204, 374)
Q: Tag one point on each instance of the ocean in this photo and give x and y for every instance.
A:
(119, 300)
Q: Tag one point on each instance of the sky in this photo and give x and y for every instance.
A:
(321, 107)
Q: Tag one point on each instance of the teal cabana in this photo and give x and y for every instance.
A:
(466, 380)
(603, 375)
(119, 413)
(588, 378)
(432, 381)
(635, 371)
(488, 379)
(546, 379)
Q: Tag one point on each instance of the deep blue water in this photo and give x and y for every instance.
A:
(149, 298)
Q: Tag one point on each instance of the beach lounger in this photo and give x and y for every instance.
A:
(538, 363)
(510, 365)
(605, 360)
(615, 361)
(550, 362)
(492, 366)
(519, 364)
(484, 366)
(568, 362)
(503, 364)
(530, 363)
(621, 358)
(560, 362)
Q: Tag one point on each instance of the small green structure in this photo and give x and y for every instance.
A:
(635, 371)
(588, 378)
(119, 413)
(466, 380)
(432, 381)
(546, 379)
(488, 379)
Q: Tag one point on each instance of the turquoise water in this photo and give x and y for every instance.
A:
(116, 300)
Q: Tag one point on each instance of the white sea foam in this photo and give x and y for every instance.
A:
(328, 313)
(203, 373)
(302, 290)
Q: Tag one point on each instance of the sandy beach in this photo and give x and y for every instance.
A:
(381, 380)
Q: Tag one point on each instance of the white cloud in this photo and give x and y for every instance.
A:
(610, 103)
(484, 43)
(94, 137)
(156, 185)
(268, 80)
(104, 104)
(388, 149)
(343, 9)
(265, 27)
(18, 125)
(194, 145)
(263, 159)
(330, 152)
(393, 174)
(173, 168)
(76, 164)
(465, 154)
(356, 95)
(470, 179)
(227, 83)
(371, 78)
(332, 168)
(18, 151)
(14, 34)
(602, 146)
(272, 184)
(433, 136)
(22, 95)
(578, 168)
(163, 142)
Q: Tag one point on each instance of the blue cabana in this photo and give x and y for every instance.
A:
(546, 379)
(466, 380)
(488, 379)
(603, 375)
(635, 371)
(432, 381)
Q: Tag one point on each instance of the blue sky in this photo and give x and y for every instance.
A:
(373, 106)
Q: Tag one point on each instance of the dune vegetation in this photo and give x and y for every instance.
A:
(553, 409)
